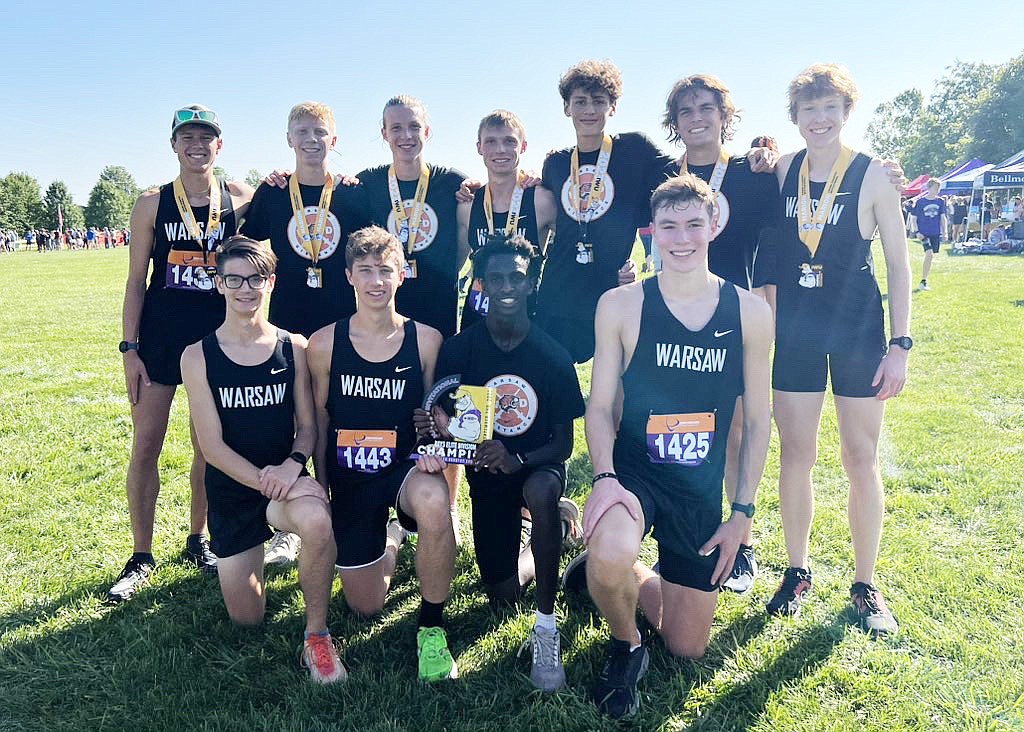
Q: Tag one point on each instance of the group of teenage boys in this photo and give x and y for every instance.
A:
(361, 276)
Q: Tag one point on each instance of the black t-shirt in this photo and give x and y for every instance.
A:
(570, 289)
(293, 305)
(743, 250)
(536, 382)
(432, 296)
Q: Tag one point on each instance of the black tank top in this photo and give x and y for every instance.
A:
(371, 404)
(845, 313)
(256, 405)
(475, 306)
(680, 390)
(182, 304)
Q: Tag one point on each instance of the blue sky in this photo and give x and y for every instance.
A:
(92, 84)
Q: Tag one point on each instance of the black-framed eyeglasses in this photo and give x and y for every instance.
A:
(255, 281)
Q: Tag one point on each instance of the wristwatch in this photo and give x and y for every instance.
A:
(299, 458)
(746, 509)
(904, 342)
(125, 346)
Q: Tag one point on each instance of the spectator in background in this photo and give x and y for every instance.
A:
(959, 218)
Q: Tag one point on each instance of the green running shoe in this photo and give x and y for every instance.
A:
(436, 662)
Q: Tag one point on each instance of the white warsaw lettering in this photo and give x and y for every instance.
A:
(691, 358)
(833, 217)
(177, 231)
(234, 397)
(372, 387)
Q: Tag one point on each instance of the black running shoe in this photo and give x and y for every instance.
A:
(574, 578)
(615, 693)
(872, 613)
(134, 575)
(197, 552)
(796, 582)
(744, 571)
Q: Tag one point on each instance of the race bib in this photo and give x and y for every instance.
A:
(187, 271)
(476, 299)
(680, 439)
(366, 451)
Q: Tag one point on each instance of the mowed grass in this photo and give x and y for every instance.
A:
(952, 457)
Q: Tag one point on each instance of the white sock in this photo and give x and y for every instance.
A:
(545, 622)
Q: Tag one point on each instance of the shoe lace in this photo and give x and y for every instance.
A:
(433, 642)
(614, 672)
(868, 600)
(320, 647)
(544, 648)
(281, 541)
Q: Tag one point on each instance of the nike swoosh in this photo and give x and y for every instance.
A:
(719, 334)
(400, 369)
(277, 371)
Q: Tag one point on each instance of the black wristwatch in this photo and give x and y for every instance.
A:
(747, 509)
(299, 458)
(125, 346)
(904, 342)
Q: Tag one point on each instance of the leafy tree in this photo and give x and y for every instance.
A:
(58, 195)
(108, 206)
(21, 206)
(219, 171)
(997, 127)
(254, 177)
(119, 176)
(893, 128)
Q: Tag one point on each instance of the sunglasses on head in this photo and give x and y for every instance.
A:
(189, 115)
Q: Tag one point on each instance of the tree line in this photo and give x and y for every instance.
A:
(24, 206)
(974, 111)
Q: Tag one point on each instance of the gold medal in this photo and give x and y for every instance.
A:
(314, 278)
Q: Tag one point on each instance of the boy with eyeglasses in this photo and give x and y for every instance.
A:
(176, 228)
(252, 408)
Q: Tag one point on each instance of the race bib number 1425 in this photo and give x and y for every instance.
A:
(680, 439)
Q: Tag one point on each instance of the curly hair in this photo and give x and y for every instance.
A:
(591, 77)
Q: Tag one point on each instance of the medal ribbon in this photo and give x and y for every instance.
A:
(189, 218)
(402, 221)
(718, 174)
(597, 185)
(512, 225)
(312, 239)
(811, 228)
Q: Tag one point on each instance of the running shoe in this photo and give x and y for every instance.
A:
(615, 693)
(924, 285)
(134, 575)
(574, 578)
(197, 552)
(435, 660)
(283, 549)
(396, 532)
(572, 532)
(874, 617)
(320, 656)
(744, 571)
(546, 670)
(525, 534)
(796, 583)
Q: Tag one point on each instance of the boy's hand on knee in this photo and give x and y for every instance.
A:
(607, 493)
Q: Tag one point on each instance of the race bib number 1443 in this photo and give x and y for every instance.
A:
(366, 451)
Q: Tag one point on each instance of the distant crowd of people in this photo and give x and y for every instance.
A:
(46, 240)
(990, 215)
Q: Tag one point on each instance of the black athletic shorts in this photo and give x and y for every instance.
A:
(931, 243)
(682, 525)
(237, 516)
(575, 336)
(162, 361)
(797, 369)
(497, 502)
(359, 514)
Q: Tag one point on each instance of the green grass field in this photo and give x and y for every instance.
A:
(951, 566)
